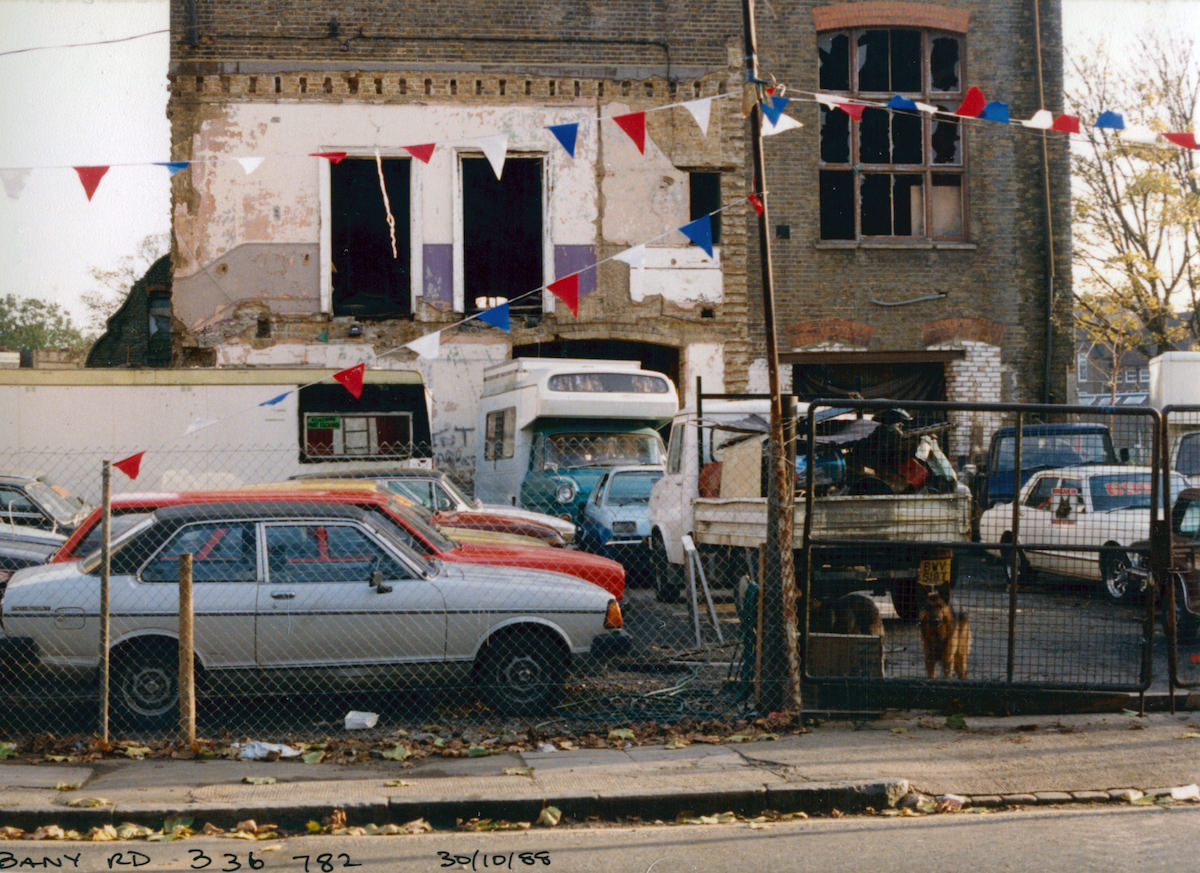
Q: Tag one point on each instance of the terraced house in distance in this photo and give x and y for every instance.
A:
(368, 176)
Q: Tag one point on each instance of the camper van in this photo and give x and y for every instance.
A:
(551, 426)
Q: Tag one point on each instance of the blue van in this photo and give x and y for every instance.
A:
(1042, 446)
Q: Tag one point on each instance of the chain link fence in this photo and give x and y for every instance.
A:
(371, 587)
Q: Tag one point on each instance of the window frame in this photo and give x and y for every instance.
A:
(831, 173)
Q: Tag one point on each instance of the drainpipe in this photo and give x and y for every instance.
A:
(1049, 223)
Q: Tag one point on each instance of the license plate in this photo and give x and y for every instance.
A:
(934, 572)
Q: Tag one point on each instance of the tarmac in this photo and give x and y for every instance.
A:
(916, 760)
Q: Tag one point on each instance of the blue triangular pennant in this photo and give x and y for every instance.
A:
(174, 166)
(497, 316)
(700, 232)
(899, 102)
(1111, 120)
(995, 111)
(774, 108)
(278, 399)
(566, 134)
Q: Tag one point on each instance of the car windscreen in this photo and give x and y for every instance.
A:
(1054, 450)
(602, 449)
(119, 524)
(412, 517)
(91, 563)
(62, 509)
(1127, 490)
(632, 487)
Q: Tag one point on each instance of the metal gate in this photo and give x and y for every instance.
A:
(898, 503)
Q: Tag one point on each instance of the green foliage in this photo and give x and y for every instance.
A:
(1136, 205)
(27, 323)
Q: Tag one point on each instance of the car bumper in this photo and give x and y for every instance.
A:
(609, 645)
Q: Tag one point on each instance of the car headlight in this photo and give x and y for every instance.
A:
(624, 528)
(565, 492)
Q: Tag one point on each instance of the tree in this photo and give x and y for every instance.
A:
(26, 323)
(1136, 200)
(113, 284)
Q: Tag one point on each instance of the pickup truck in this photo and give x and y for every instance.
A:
(1043, 446)
(714, 487)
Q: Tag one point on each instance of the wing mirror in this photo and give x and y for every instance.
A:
(377, 582)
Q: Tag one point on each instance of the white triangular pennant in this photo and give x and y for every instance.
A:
(927, 108)
(827, 100)
(249, 165)
(635, 257)
(199, 424)
(14, 182)
(1139, 133)
(1042, 119)
(701, 111)
(494, 149)
(427, 346)
(786, 122)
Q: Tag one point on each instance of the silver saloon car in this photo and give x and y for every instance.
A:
(304, 596)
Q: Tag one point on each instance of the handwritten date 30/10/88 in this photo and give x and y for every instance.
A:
(478, 860)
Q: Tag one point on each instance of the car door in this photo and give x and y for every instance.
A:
(1036, 517)
(1071, 526)
(318, 605)
(224, 592)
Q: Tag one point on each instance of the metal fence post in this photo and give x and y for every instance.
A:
(105, 534)
(187, 672)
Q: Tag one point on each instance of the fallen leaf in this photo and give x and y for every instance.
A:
(88, 802)
(137, 752)
(549, 817)
(676, 744)
(417, 826)
(314, 757)
(958, 721)
(49, 832)
(621, 734)
(65, 786)
(102, 834)
(399, 783)
(8, 832)
(313, 827)
(211, 830)
(259, 780)
(397, 753)
(478, 752)
(7, 750)
(248, 824)
(517, 771)
(387, 830)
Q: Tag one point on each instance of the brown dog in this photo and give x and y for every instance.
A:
(945, 637)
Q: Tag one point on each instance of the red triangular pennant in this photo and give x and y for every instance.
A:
(1186, 140)
(130, 466)
(334, 157)
(854, 110)
(566, 289)
(90, 177)
(352, 379)
(756, 202)
(1066, 124)
(972, 104)
(421, 152)
(634, 124)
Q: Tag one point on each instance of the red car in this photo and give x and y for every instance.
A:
(127, 509)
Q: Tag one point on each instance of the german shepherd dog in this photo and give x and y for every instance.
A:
(945, 637)
(849, 614)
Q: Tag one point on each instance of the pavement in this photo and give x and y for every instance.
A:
(892, 760)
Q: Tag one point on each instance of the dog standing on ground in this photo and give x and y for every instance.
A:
(945, 637)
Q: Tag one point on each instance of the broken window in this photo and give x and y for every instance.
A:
(503, 245)
(371, 279)
(877, 176)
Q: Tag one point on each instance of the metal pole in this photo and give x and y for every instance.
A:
(187, 674)
(781, 663)
(105, 556)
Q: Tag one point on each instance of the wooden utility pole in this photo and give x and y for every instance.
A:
(780, 689)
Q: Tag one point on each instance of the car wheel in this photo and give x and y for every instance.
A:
(908, 596)
(521, 673)
(668, 577)
(145, 686)
(1118, 587)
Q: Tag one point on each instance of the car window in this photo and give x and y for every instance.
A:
(1187, 461)
(413, 490)
(118, 524)
(1188, 523)
(320, 552)
(1121, 491)
(632, 487)
(1041, 493)
(17, 504)
(221, 552)
(442, 501)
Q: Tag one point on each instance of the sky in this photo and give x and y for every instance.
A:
(62, 107)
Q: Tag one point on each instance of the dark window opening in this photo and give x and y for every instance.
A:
(704, 194)
(834, 51)
(386, 422)
(835, 136)
(892, 205)
(894, 381)
(369, 281)
(943, 64)
(502, 235)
